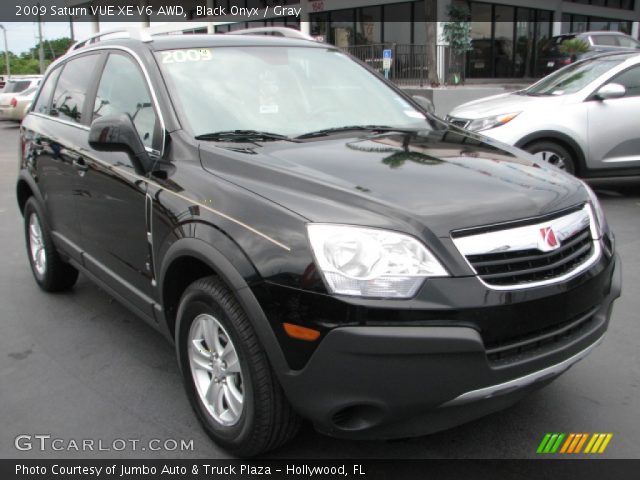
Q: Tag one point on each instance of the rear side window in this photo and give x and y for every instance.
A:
(44, 99)
(71, 90)
(605, 40)
(123, 89)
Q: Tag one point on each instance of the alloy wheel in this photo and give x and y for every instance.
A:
(36, 245)
(551, 157)
(216, 371)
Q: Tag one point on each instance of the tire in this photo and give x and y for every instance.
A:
(555, 154)
(250, 414)
(51, 273)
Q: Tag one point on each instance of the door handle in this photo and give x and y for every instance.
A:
(80, 165)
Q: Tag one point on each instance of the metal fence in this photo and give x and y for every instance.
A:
(409, 65)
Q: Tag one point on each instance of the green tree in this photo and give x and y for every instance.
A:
(52, 48)
(20, 65)
(457, 32)
(573, 46)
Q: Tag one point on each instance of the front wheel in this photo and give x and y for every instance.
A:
(553, 153)
(227, 376)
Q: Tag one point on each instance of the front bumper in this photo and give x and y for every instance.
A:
(402, 381)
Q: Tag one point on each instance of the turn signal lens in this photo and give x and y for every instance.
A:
(301, 333)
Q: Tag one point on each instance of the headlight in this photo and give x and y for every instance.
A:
(597, 208)
(369, 262)
(490, 122)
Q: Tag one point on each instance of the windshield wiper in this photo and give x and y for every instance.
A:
(243, 136)
(346, 128)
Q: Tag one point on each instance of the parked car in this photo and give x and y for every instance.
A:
(17, 107)
(582, 118)
(552, 57)
(17, 85)
(315, 243)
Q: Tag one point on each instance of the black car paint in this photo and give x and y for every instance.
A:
(242, 210)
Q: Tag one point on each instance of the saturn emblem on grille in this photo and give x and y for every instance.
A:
(549, 240)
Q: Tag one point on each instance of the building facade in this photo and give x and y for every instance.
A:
(508, 36)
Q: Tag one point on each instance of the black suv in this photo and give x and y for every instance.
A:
(316, 244)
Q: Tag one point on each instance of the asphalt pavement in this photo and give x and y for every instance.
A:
(78, 366)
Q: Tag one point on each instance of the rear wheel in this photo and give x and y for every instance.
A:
(553, 153)
(227, 376)
(50, 272)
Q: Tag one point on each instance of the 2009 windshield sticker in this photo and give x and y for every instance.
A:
(182, 56)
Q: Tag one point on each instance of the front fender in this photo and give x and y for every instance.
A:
(232, 266)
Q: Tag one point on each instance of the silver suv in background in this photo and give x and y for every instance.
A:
(583, 118)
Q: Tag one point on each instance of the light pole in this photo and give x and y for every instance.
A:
(6, 52)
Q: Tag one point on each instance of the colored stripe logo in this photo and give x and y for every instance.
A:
(573, 443)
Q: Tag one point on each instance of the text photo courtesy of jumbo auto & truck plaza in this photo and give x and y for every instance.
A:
(319, 238)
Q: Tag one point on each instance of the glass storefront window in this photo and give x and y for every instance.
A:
(318, 25)
(572, 23)
(525, 42)
(419, 28)
(503, 41)
(506, 40)
(479, 58)
(368, 26)
(341, 32)
(544, 32)
(397, 26)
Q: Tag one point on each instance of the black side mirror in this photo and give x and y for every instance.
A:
(117, 133)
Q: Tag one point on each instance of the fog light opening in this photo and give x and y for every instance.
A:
(357, 417)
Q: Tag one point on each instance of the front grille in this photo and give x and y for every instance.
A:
(521, 348)
(458, 122)
(527, 254)
(526, 266)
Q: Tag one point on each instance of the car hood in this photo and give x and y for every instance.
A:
(442, 180)
(502, 104)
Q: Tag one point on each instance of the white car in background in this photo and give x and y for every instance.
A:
(584, 118)
(18, 84)
(17, 107)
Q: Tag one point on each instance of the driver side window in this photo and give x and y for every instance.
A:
(630, 80)
(123, 89)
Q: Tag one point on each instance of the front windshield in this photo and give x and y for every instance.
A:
(574, 77)
(282, 90)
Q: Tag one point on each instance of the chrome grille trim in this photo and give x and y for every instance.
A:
(527, 238)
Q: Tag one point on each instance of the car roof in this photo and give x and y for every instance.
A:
(605, 32)
(159, 42)
(626, 55)
(594, 33)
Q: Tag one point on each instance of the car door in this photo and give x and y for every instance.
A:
(55, 132)
(112, 195)
(614, 125)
